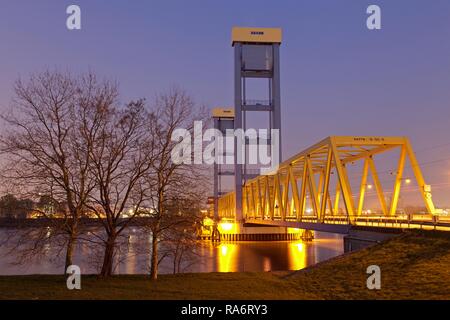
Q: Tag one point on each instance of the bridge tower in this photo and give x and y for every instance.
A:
(256, 56)
(223, 120)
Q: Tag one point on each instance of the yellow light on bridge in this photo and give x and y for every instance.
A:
(294, 230)
(208, 221)
(407, 181)
(369, 186)
(226, 226)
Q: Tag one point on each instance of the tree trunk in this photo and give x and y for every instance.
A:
(154, 257)
(180, 259)
(175, 255)
(73, 233)
(108, 258)
(69, 251)
(174, 271)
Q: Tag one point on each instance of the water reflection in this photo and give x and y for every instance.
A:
(297, 256)
(223, 257)
(274, 256)
(259, 256)
(227, 259)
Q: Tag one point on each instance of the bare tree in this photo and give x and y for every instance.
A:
(43, 148)
(121, 154)
(171, 183)
(67, 138)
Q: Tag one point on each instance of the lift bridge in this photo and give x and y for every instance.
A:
(311, 190)
(280, 198)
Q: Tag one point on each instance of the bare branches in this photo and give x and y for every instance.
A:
(121, 154)
(69, 140)
(44, 145)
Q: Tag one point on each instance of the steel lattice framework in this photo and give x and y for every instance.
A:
(306, 177)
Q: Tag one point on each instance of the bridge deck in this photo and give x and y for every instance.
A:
(342, 225)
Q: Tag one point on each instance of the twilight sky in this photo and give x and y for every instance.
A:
(338, 78)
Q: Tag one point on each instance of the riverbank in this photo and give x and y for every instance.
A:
(414, 265)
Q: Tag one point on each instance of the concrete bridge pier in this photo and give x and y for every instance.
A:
(360, 238)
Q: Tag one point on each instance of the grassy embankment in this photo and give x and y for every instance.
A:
(415, 265)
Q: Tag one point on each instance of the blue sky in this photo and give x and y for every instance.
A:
(338, 78)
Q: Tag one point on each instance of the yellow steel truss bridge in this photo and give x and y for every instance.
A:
(307, 189)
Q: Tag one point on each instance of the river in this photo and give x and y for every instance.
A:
(222, 257)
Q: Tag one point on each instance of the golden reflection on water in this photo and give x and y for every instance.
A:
(230, 255)
(296, 255)
(267, 264)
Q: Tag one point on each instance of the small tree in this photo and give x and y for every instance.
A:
(170, 184)
(178, 233)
